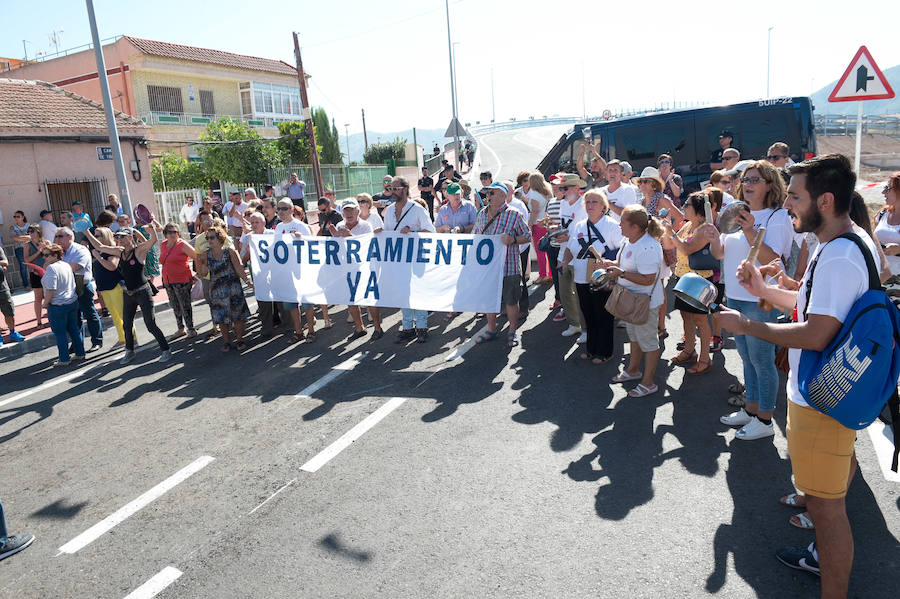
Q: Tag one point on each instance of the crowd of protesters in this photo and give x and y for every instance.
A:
(639, 232)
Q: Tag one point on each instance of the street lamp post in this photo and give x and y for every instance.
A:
(452, 87)
(769, 59)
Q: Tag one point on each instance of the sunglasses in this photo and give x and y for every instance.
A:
(395, 188)
(665, 162)
(774, 158)
(494, 192)
(60, 236)
(170, 232)
(210, 237)
(284, 208)
(751, 180)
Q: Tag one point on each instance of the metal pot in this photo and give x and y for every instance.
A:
(557, 233)
(600, 281)
(697, 292)
(726, 224)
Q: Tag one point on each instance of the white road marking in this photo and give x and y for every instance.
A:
(155, 585)
(107, 524)
(336, 371)
(282, 488)
(484, 145)
(352, 435)
(884, 449)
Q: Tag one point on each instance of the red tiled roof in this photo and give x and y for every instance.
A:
(41, 105)
(192, 53)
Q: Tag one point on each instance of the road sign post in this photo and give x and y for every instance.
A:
(862, 80)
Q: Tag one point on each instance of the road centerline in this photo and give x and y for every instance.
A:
(155, 585)
(120, 515)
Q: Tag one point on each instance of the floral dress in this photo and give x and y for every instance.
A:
(226, 296)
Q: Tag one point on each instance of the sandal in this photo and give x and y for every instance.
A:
(624, 377)
(486, 336)
(802, 521)
(310, 337)
(684, 357)
(794, 500)
(451, 315)
(240, 345)
(599, 361)
(587, 356)
(296, 337)
(512, 340)
(327, 324)
(662, 333)
(701, 367)
(643, 391)
(226, 347)
(736, 388)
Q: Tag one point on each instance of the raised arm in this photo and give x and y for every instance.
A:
(146, 246)
(106, 249)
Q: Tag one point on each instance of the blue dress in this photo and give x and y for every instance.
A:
(226, 296)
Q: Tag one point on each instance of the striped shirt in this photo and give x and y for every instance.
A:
(508, 222)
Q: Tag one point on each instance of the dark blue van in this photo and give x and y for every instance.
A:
(691, 135)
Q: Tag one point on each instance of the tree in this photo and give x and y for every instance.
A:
(379, 152)
(245, 161)
(295, 141)
(178, 172)
(296, 145)
(327, 138)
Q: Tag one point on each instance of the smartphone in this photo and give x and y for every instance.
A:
(587, 133)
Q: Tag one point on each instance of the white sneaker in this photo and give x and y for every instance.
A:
(572, 330)
(582, 338)
(128, 357)
(756, 430)
(165, 356)
(739, 418)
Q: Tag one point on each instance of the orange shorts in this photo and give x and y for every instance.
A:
(821, 450)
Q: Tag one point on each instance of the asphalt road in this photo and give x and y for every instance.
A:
(424, 470)
(507, 153)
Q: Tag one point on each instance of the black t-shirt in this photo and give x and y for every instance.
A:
(271, 224)
(332, 218)
(426, 182)
(716, 156)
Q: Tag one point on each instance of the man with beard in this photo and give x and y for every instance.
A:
(822, 450)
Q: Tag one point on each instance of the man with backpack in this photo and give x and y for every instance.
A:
(822, 448)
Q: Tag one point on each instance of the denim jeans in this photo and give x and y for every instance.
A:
(87, 311)
(553, 259)
(64, 323)
(758, 356)
(23, 270)
(410, 316)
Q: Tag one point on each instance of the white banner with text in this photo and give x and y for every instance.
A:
(425, 271)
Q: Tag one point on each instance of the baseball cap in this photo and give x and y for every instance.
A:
(387, 179)
(498, 185)
(626, 167)
(124, 232)
(453, 188)
(726, 133)
(78, 203)
(349, 203)
(45, 213)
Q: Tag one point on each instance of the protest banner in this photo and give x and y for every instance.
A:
(441, 273)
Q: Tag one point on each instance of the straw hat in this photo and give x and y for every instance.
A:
(652, 173)
(571, 180)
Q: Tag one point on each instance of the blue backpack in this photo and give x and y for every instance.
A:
(852, 380)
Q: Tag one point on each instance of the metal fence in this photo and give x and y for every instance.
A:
(344, 181)
(169, 203)
(872, 124)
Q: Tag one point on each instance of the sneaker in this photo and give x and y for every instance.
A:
(799, 558)
(405, 335)
(165, 356)
(15, 544)
(621, 324)
(58, 364)
(95, 347)
(582, 338)
(421, 335)
(716, 344)
(77, 358)
(16, 336)
(755, 429)
(357, 335)
(739, 418)
(128, 357)
(572, 330)
(559, 316)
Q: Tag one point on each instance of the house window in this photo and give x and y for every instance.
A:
(269, 100)
(165, 99)
(207, 105)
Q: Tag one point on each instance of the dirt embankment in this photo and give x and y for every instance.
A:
(870, 144)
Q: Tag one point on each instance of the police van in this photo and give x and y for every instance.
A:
(691, 136)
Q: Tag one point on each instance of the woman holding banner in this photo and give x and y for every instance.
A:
(227, 304)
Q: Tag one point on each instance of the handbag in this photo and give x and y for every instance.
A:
(197, 289)
(703, 259)
(630, 306)
(544, 244)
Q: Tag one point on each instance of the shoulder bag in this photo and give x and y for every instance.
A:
(630, 306)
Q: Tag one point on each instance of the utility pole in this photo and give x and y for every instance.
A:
(452, 89)
(110, 114)
(769, 59)
(307, 112)
(365, 136)
(493, 106)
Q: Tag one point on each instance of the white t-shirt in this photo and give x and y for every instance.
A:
(59, 276)
(362, 227)
(779, 237)
(189, 213)
(887, 233)
(520, 207)
(625, 195)
(840, 278)
(413, 216)
(727, 198)
(231, 220)
(569, 214)
(374, 220)
(534, 196)
(608, 229)
(48, 229)
(645, 257)
(292, 226)
(245, 240)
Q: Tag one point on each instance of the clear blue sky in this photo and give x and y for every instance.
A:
(391, 57)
